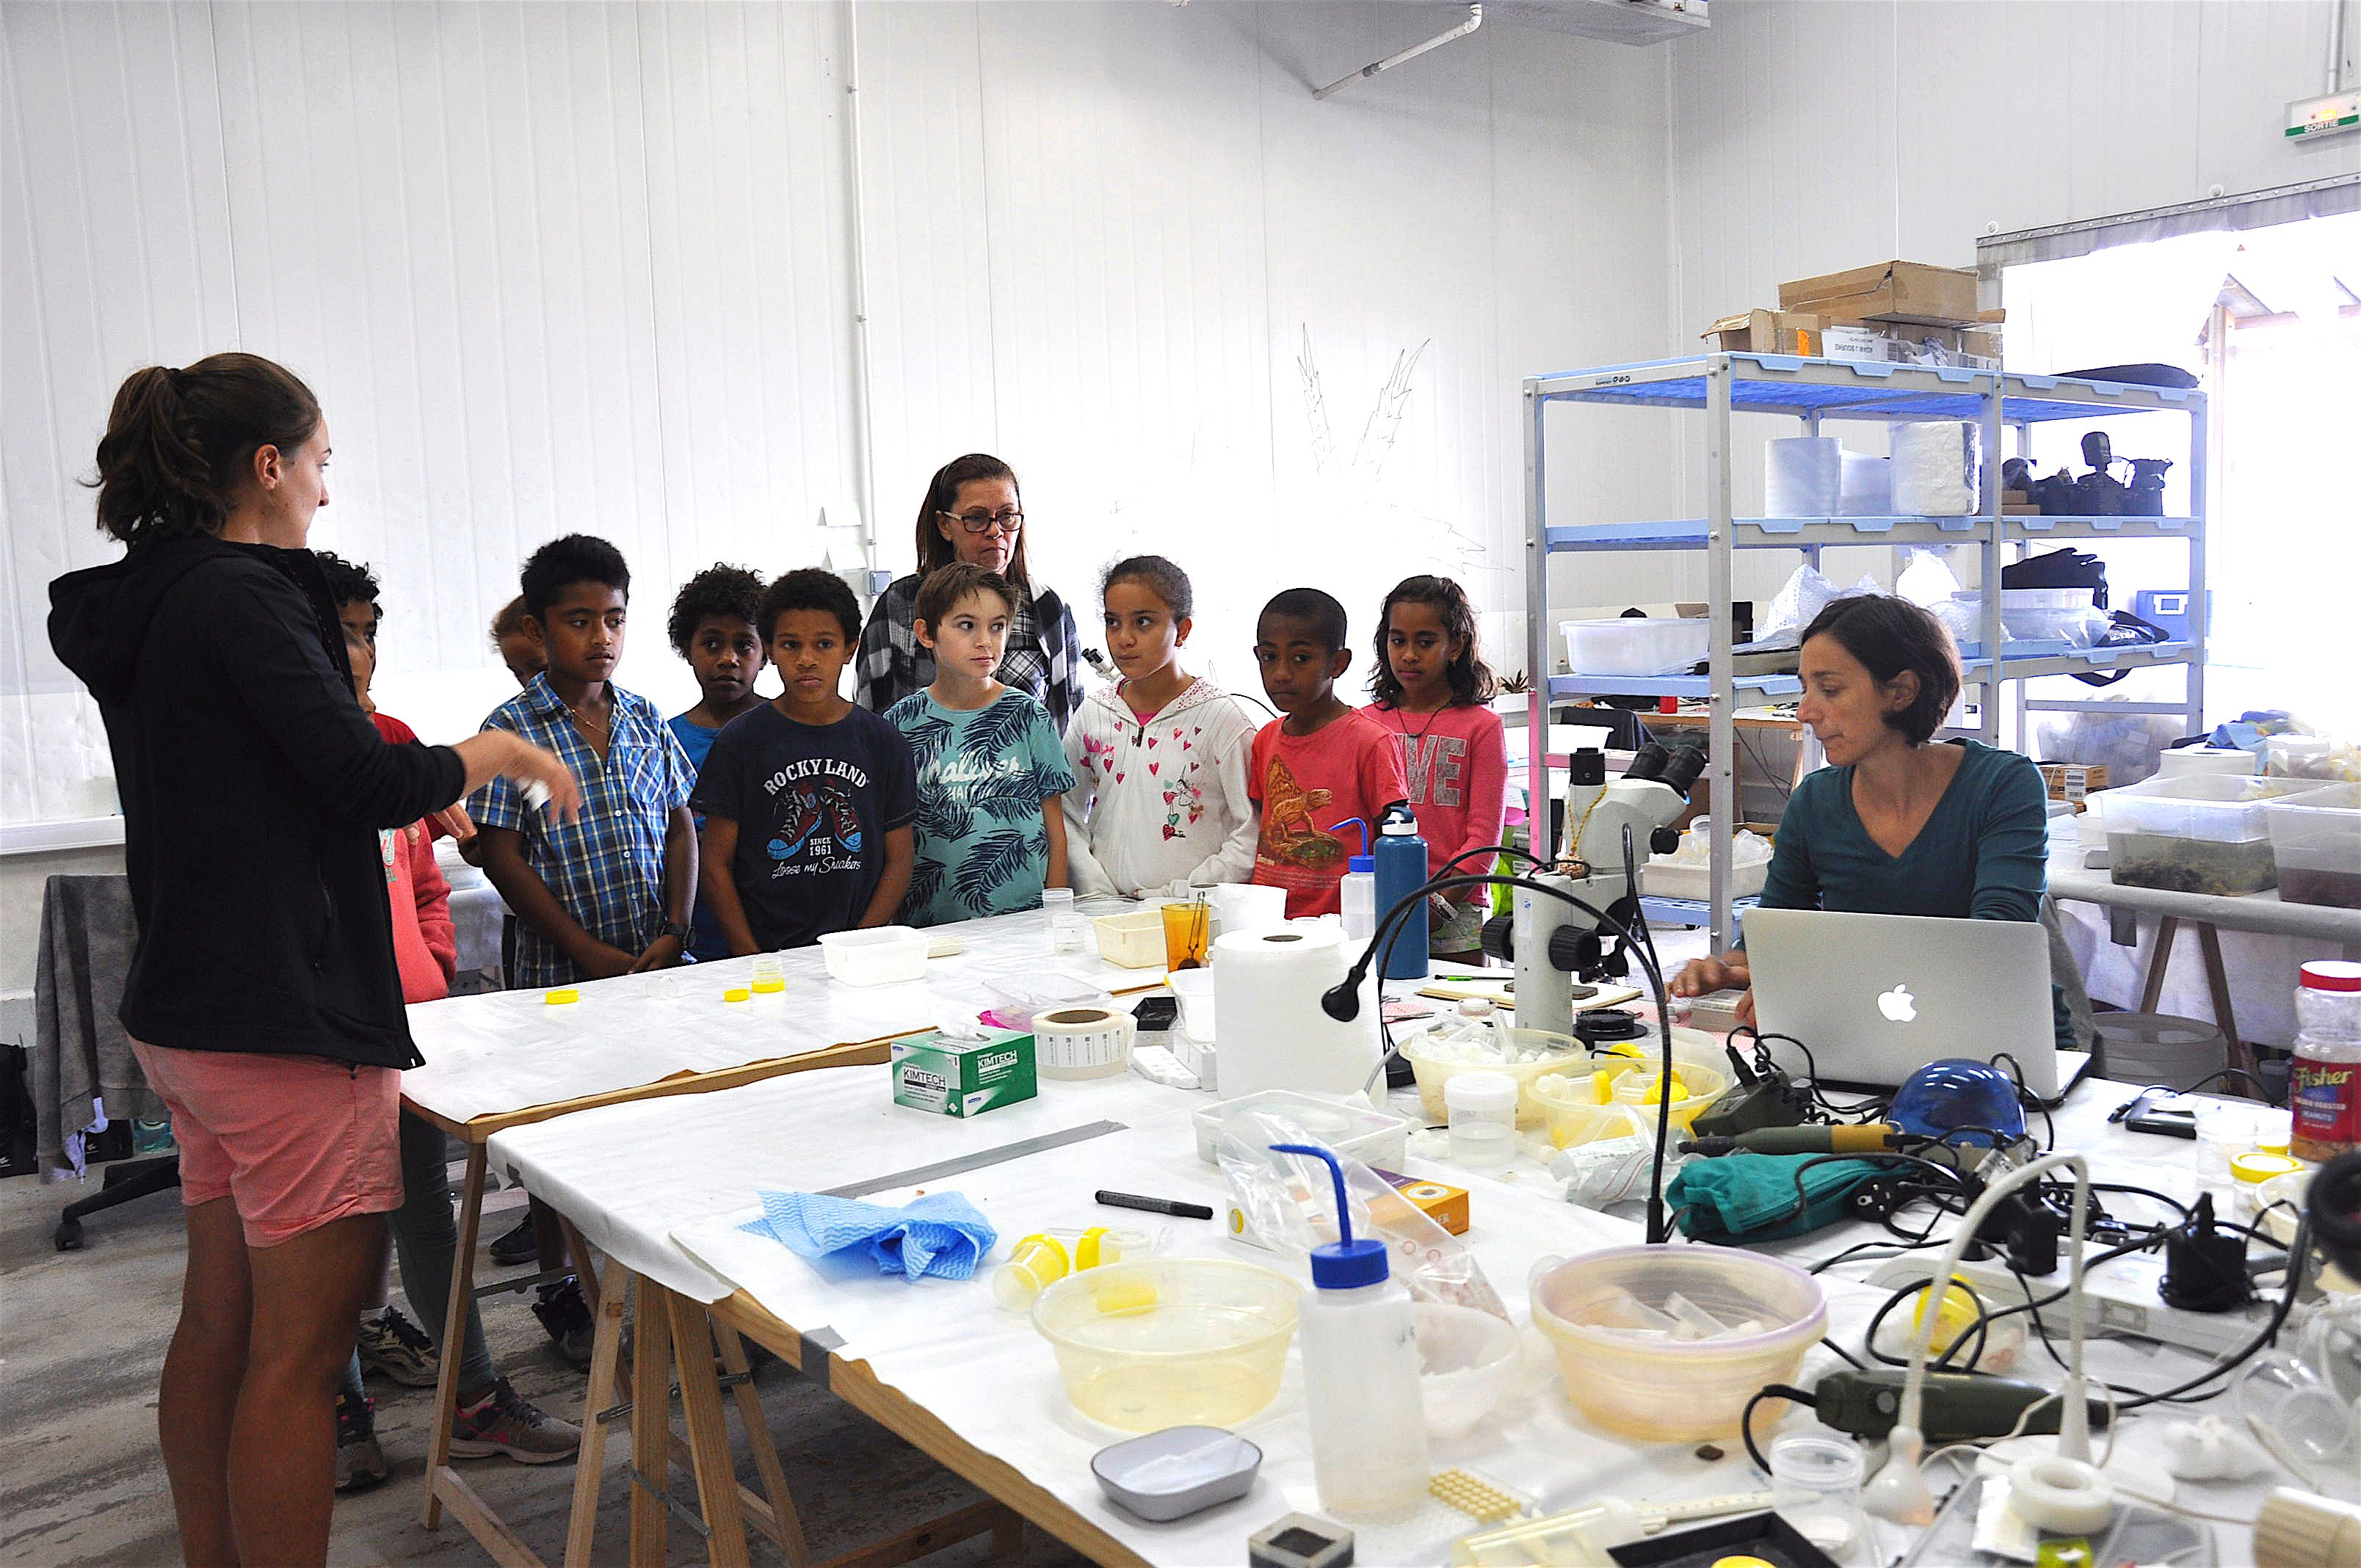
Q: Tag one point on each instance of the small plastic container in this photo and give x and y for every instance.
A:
(1373, 1137)
(2316, 845)
(1187, 934)
(1180, 1471)
(2248, 1173)
(1483, 1111)
(2199, 833)
(2225, 1130)
(1194, 989)
(1015, 998)
(2273, 1128)
(770, 975)
(1468, 1360)
(882, 955)
(1633, 645)
(1574, 1113)
(1135, 940)
(1667, 1389)
(1816, 1488)
(1435, 1063)
(1171, 1341)
(1065, 926)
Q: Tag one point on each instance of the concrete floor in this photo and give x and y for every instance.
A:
(82, 1337)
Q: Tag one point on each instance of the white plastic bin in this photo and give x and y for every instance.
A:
(882, 955)
(1633, 645)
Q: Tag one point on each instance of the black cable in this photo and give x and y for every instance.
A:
(2170, 1202)
(2299, 1251)
(1979, 1328)
(1746, 1417)
(2027, 1099)
(1382, 946)
(1845, 1356)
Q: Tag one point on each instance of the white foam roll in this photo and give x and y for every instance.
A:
(1936, 467)
(1082, 1042)
(1802, 476)
(1266, 1012)
(1865, 486)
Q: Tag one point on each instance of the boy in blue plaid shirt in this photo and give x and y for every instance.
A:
(610, 893)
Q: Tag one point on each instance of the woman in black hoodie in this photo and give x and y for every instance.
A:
(262, 1001)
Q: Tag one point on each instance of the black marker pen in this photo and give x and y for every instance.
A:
(1171, 1206)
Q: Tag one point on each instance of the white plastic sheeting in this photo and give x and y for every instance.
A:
(512, 1050)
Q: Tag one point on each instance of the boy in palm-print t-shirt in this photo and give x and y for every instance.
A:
(991, 767)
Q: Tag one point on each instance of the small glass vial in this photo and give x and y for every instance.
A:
(1483, 1107)
(1065, 926)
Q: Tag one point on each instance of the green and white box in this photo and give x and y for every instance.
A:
(962, 1078)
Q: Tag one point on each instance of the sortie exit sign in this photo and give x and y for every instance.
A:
(2324, 115)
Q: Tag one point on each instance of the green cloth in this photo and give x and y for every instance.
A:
(1982, 855)
(1749, 1197)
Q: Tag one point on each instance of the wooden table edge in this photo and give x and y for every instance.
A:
(856, 1385)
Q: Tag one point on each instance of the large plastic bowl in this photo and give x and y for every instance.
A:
(1569, 1103)
(1567, 1054)
(1670, 1390)
(1169, 1342)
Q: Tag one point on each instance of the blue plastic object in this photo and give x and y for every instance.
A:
(1400, 856)
(1953, 1093)
(1344, 1264)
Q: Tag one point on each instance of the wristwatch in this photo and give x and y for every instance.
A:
(672, 928)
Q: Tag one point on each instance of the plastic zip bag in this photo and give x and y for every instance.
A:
(1288, 1203)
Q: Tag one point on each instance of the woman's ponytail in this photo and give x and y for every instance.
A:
(178, 442)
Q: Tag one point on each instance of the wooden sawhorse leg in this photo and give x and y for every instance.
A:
(440, 1477)
(2236, 1054)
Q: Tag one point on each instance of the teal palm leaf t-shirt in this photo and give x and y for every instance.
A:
(982, 845)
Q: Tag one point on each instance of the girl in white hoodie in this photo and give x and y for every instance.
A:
(1161, 805)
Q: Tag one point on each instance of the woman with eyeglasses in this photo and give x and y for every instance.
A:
(973, 512)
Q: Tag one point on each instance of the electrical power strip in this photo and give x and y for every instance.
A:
(2124, 1296)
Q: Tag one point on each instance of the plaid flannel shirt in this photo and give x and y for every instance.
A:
(1043, 660)
(607, 866)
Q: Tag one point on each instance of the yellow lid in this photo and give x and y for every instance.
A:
(2263, 1167)
(563, 995)
(1953, 1316)
(1093, 1248)
(737, 994)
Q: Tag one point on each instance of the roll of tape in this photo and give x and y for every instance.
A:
(1082, 1042)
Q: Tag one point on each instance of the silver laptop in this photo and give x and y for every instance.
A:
(1876, 997)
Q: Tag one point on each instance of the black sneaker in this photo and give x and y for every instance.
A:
(392, 1345)
(522, 1245)
(565, 1317)
(360, 1462)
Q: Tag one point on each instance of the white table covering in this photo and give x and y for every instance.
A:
(510, 1050)
(661, 1180)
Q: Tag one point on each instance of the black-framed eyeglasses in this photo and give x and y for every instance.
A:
(986, 522)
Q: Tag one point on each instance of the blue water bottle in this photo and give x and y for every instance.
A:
(1401, 868)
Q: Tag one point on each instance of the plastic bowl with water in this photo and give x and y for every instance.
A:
(1169, 1342)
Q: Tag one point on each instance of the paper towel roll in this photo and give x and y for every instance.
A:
(1936, 467)
(1267, 1013)
(1082, 1042)
(1801, 476)
(1865, 486)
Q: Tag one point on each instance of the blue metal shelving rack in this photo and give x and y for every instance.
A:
(1814, 391)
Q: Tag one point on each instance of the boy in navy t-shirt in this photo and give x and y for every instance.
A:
(807, 799)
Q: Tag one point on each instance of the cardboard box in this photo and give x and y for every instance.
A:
(1888, 290)
(1445, 1205)
(961, 1078)
(2074, 781)
(1766, 332)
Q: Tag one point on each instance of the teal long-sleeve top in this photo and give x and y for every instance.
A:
(1982, 855)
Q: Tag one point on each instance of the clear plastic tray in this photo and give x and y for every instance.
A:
(2316, 842)
(1633, 645)
(1373, 1137)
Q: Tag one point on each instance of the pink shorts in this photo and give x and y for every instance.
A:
(294, 1141)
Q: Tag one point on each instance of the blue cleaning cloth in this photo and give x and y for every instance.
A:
(941, 1233)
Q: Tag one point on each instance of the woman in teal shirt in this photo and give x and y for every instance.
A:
(1894, 825)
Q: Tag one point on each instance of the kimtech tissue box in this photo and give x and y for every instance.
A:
(961, 1078)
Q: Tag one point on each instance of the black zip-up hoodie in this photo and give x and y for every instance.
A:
(252, 787)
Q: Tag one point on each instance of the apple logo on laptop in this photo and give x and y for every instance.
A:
(1897, 1006)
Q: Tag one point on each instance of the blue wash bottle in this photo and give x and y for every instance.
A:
(1401, 867)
